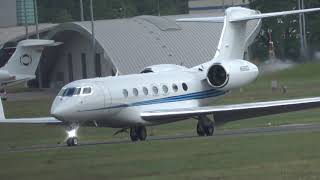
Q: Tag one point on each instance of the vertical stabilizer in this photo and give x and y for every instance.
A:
(232, 42)
(26, 57)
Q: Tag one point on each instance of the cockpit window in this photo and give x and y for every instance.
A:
(77, 92)
(61, 92)
(69, 92)
(86, 90)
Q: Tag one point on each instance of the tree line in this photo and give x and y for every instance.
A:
(69, 10)
(285, 32)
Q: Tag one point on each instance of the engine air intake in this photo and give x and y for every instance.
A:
(217, 76)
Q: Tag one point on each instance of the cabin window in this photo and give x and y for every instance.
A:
(155, 90)
(175, 87)
(165, 89)
(145, 91)
(135, 92)
(184, 86)
(86, 90)
(125, 93)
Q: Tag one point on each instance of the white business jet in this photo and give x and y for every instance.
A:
(23, 63)
(169, 93)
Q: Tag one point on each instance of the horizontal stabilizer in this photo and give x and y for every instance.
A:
(267, 15)
(236, 14)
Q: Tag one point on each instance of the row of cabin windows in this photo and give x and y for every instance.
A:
(155, 90)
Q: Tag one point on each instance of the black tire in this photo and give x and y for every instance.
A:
(142, 133)
(209, 130)
(72, 141)
(75, 141)
(200, 130)
(133, 134)
(69, 143)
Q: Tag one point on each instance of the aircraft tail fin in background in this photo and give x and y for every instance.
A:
(26, 57)
(232, 42)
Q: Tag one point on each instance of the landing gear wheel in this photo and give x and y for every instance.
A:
(200, 129)
(209, 129)
(133, 134)
(72, 141)
(142, 133)
(138, 133)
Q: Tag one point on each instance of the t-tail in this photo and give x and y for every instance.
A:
(24, 62)
(232, 42)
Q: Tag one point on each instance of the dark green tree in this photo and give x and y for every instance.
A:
(285, 30)
(69, 10)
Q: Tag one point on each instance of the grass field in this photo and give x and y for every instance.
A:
(281, 156)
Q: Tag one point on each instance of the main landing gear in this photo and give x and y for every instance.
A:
(72, 139)
(138, 133)
(205, 126)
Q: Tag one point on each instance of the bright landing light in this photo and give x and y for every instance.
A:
(72, 133)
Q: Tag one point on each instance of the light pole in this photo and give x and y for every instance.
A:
(302, 28)
(35, 5)
(92, 30)
(25, 18)
(159, 14)
(81, 11)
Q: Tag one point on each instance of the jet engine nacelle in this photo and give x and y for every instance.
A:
(231, 74)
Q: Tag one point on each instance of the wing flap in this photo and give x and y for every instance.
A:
(234, 112)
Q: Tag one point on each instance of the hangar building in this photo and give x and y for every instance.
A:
(125, 46)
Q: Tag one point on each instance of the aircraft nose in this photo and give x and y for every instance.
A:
(58, 112)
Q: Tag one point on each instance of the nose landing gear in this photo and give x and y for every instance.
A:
(138, 133)
(205, 126)
(72, 139)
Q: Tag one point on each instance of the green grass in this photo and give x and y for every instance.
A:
(276, 156)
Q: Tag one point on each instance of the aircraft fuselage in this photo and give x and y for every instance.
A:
(118, 101)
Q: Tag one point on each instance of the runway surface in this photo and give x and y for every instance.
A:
(218, 134)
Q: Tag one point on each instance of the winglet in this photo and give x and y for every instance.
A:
(2, 116)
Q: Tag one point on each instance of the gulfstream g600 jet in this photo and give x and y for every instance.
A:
(24, 62)
(171, 93)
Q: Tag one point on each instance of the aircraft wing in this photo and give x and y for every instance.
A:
(225, 113)
(40, 120)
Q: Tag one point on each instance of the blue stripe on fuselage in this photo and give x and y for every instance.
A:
(185, 97)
